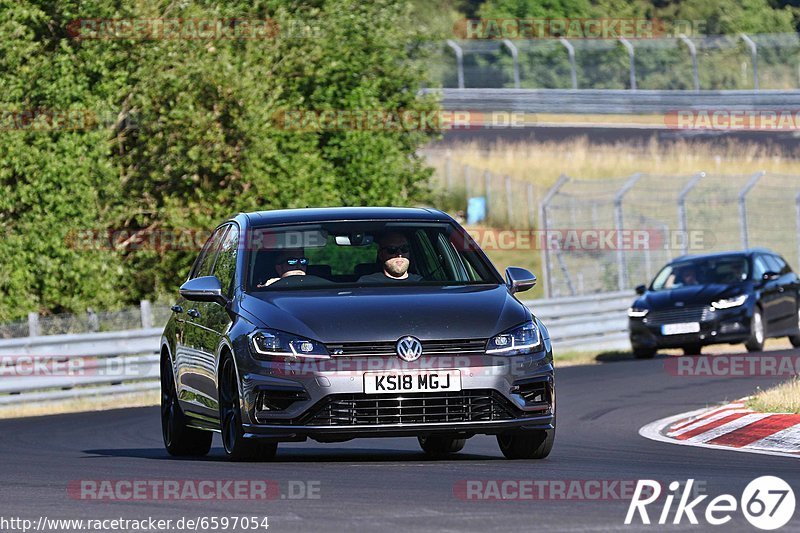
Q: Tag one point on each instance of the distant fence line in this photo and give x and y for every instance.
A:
(633, 224)
(690, 63)
(145, 316)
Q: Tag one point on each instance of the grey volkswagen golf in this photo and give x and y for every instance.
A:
(338, 323)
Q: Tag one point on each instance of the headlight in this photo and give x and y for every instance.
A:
(271, 343)
(636, 312)
(520, 340)
(730, 302)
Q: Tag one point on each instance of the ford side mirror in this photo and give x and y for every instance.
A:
(641, 289)
(519, 279)
(204, 289)
(769, 275)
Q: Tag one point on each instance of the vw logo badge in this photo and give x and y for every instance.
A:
(409, 348)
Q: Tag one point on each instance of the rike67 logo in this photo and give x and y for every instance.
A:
(767, 503)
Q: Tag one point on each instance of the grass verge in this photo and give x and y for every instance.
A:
(79, 405)
(784, 398)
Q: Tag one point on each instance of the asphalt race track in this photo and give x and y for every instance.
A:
(388, 484)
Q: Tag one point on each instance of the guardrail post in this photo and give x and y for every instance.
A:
(467, 183)
(629, 47)
(515, 57)
(459, 61)
(147, 314)
(754, 57)
(33, 324)
(509, 201)
(693, 51)
(572, 68)
(622, 264)
(548, 284)
(487, 185)
(682, 210)
(743, 206)
(531, 213)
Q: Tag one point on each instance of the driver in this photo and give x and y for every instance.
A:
(288, 263)
(394, 258)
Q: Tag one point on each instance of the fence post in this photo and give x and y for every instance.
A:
(622, 264)
(487, 185)
(459, 61)
(743, 206)
(448, 172)
(682, 210)
(147, 314)
(754, 57)
(629, 47)
(467, 181)
(548, 284)
(693, 51)
(531, 214)
(572, 68)
(515, 57)
(509, 201)
(33, 324)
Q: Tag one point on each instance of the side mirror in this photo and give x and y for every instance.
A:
(641, 289)
(519, 279)
(204, 289)
(769, 275)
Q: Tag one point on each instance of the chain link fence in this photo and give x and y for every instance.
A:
(147, 315)
(767, 61)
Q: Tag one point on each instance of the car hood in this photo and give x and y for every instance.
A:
(388, 313)
(691, 295)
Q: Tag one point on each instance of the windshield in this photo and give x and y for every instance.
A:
(361, 253)
(719, 270)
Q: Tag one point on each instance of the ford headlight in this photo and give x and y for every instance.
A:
(637, 312)
(271, 343)
(519, 340)
(727, 303)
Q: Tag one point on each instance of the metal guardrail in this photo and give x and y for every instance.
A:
(59, 367)
(612, 101)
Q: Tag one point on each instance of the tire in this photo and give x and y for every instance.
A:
(795, 339)
(179, 439)
(756, 341)
(237, 447)
(527, 444)
(693, 349)
(644, 353)
(441, 445)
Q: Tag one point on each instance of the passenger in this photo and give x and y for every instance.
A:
(689, 276)
(394, 258)
(289, 263)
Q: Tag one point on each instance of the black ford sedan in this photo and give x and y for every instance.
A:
(730, 297)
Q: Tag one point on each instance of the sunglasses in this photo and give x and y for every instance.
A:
(403, 249)
(292, 261)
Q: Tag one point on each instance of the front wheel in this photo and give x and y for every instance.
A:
(179, 439)
(237, 447)
(644, 353)
(527, 444)
(692, 349)
(756, 341)
(441, 445)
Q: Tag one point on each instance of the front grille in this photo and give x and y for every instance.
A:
(419, 408)
(677, 315)
(383, 349)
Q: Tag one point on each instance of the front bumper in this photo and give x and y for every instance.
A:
(326, 401)
(717, 327)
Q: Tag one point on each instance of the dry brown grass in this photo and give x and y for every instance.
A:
(79, 405)
(542, 162)
(784, 398)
